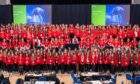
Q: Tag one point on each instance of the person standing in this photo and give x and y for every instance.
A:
(21, 63)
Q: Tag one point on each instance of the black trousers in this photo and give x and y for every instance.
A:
(100, 67)
(20, 67)
(68, 67)
(74, 68)
(1, 67)
(87, 67)
(15, 67)
(93, 67)
(38, 67)
(27, 68)
(56, 68)
(33, 68)
(62, 68)
(105, 67)
(119, 68)
(4, 66)
(112, 68)
(82, 68)
(130, 67)
(51, 67)
(44, 67)
(9, 67)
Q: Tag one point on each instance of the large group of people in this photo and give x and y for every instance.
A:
(27, 48)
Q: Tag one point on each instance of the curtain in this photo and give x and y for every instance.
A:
(71, 14)
(135, 14)
(6, 14)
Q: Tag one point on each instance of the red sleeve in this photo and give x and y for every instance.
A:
(139, 60)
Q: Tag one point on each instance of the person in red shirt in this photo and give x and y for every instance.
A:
(9, 62)
(125, 62)
(39, 61)
(121, 34)
(74, 62)
(4, 44)
(33, 62)
(116, 43)
(100, 62)
(15, 57)
(112, 62)
(94, 61)
(130, 32)
(44, 58)
(116, 57)
(106, 60)
(88, 61)
(68, 59)
(134, 43)
(128, 43)
(82, 61)
(56, 62)
(21, 61)
(110, 41)
(27, 62)
(61, 62)
(51, 62)
(134, 62)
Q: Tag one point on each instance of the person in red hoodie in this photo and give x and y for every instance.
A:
(9, 62)
(61, 62)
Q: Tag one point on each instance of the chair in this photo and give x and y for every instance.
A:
(137, 79)
(75, 79)
(72, 74)
(19, 81)
(114, 79)
(129, 77)
(42, 79)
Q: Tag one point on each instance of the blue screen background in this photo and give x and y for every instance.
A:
(37, 14)
(117, 14)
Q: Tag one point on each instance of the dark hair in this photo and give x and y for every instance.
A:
(20, 81)
(62, 83)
